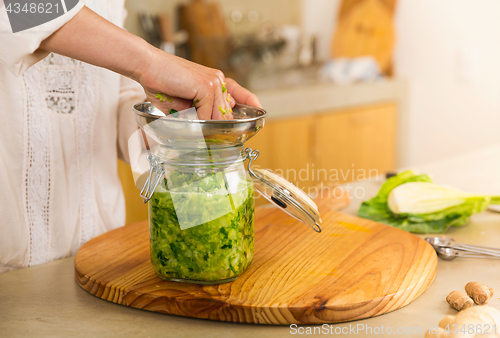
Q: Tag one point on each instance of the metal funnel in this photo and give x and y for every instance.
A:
(184, 130)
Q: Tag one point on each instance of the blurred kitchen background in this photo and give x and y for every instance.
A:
(372, 85)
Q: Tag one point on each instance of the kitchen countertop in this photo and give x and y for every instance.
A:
(290, 101)
(45, 301)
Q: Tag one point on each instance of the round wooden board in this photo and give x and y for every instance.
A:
(354, 269)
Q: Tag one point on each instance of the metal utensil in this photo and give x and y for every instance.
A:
(449, 254)
(451, 241)
(494, 207)
(188, 133)
(446, 241)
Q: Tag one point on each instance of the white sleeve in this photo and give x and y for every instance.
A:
(20, 50)
(130, 93)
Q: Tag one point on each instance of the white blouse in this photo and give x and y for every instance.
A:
(63, 124)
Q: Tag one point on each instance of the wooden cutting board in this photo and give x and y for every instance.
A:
(208, 33)
(354, 269)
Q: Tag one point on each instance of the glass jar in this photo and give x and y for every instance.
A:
(201, 216)
(201, 196)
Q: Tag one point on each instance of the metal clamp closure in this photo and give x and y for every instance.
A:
(156, 172)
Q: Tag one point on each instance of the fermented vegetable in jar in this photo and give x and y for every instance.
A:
(202, 225)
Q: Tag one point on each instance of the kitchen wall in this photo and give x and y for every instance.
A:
(449, 53)
(449, 50)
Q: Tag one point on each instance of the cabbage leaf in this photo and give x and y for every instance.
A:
(377, 209)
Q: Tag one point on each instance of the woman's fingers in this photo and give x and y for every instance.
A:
(205, 106)
(242, 95)
(232, 102)
(221, 108)
(228, 101)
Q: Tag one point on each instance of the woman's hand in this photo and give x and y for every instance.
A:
(182, 84)
(174, 83)
(185, 83)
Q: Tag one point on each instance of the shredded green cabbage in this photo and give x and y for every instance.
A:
(219, 249)
(163, 97)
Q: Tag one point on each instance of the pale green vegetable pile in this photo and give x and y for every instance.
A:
(414, 203)
(214, 248)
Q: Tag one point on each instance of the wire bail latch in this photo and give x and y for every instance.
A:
(156, 172)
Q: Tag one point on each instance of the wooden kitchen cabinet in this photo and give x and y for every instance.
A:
(135, 208)
(285, 146)
(357, 142)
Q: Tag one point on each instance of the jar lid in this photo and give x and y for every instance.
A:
(284, 194)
